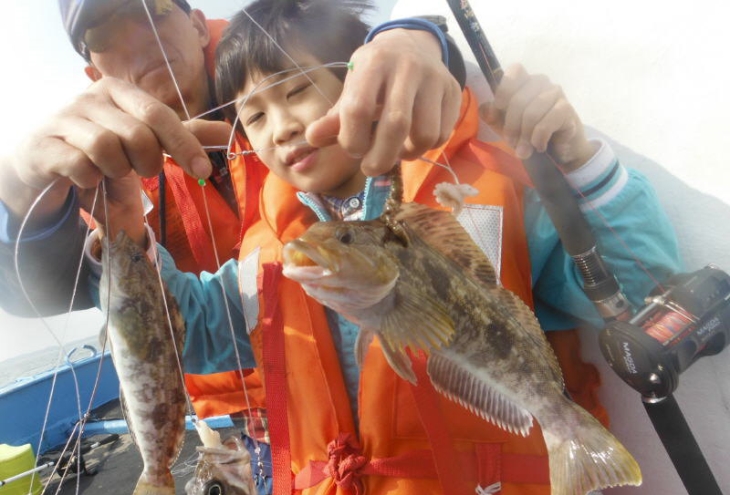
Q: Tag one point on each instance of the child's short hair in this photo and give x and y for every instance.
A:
(330, 30)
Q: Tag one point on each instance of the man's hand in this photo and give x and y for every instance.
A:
(398, 101)
(111, 129)
(533, 114)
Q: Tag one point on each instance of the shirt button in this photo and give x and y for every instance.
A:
(353, 202)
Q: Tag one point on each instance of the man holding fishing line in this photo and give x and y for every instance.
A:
(134, 111)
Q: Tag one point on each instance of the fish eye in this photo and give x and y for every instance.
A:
(137, 257)
(345, 236)
(213, 487)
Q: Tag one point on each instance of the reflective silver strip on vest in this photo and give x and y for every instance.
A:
(248, 270)
(484, 225)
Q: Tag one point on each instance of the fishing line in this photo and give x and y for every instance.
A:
(171, 329)
(286, 54)
(214, 246)
(167, 61)
(298, 71)
(232, 331)
(81, 417)
(207, 212)
(227, 306)
(16, 261)
(231, 155)
(159, 274)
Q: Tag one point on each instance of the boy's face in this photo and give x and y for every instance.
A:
(275, 118)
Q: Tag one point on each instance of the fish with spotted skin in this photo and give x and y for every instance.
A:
(146, 342)
(415, 279)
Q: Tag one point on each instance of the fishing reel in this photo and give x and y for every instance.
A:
(690, 319)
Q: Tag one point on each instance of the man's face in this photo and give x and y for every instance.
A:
(125, 47)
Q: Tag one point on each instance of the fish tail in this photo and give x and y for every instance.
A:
(145, 486)
(591, 458)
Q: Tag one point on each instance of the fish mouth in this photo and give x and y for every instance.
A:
(304, 261)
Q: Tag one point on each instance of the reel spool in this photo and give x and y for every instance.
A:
(689, 320)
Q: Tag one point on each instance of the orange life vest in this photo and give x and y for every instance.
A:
(410, 439)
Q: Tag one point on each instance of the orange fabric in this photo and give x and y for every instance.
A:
(310, 388)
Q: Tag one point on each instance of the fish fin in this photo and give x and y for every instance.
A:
(103, 336)
(126, 416)
(176, 319)
(511, 306)
(451, 376)
(416, 320)
(591, 459)
(445, 234)
(399, 361)
(144, 487)
(362, 342)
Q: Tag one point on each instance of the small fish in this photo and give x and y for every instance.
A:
(146, 357)
(416, 279)
(224, 468)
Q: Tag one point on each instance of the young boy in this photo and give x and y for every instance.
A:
(335, 428)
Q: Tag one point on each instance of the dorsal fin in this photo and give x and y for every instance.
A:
(441, 230)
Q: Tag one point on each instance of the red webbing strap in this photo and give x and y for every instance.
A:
(272, 327)
(489, 466)
(200, 243)
(524, 468)
(448, 468)
(416, 464)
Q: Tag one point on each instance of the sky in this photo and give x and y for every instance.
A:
(654, 79)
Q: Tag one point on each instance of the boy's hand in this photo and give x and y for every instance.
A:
(533, 114)
(399, 82)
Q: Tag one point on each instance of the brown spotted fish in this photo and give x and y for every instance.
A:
(416, 279)
(146, 342)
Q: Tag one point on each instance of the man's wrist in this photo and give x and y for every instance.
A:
(415, 24)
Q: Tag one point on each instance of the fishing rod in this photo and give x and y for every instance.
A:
(675, 329)
(556, 194)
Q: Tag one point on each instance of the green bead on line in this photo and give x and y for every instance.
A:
(201, 182)
(350, 66)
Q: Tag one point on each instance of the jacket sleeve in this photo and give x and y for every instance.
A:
(216, 338)
(47, 264)
(633, 234)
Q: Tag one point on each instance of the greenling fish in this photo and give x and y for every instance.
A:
(146, 341)
(224, 468)
(415, 278)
